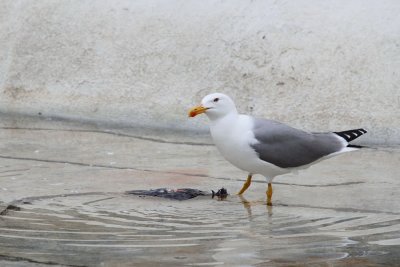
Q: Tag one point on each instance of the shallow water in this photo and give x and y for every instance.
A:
(113, 229)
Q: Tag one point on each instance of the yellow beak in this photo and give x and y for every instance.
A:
(197, 110)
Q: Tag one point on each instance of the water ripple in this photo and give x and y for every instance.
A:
(119, 229)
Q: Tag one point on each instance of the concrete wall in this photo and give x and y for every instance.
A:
(317, 65)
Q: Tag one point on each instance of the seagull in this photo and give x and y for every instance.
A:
(267, 147)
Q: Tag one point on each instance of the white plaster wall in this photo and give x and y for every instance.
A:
(317, 65)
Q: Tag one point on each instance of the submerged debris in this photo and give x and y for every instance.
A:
(177, 194)
(221, 194)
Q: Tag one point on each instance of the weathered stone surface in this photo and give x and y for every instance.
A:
(318, 65)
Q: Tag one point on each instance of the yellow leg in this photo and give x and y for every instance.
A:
(245, 185)
(269, 195)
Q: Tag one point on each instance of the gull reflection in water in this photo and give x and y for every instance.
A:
(247, 205)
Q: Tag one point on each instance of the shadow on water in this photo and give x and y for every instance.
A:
(90, 229)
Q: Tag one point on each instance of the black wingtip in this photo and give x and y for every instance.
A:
(356, 146)
(351, 134)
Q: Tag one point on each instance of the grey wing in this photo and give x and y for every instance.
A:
(287, 147)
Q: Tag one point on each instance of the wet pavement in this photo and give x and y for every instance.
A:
(63, 202)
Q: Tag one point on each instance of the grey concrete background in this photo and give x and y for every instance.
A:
(317, 65)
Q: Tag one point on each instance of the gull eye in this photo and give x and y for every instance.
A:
(216, 99)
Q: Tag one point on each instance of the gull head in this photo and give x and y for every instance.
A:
(215, 106)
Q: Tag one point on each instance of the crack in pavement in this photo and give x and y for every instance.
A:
(169, 172)
(72, 163)
(157, 140)
(11, 175)
(19, 259)
(16, 170)
(102, 166)
(321, 185)
(291, 184)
